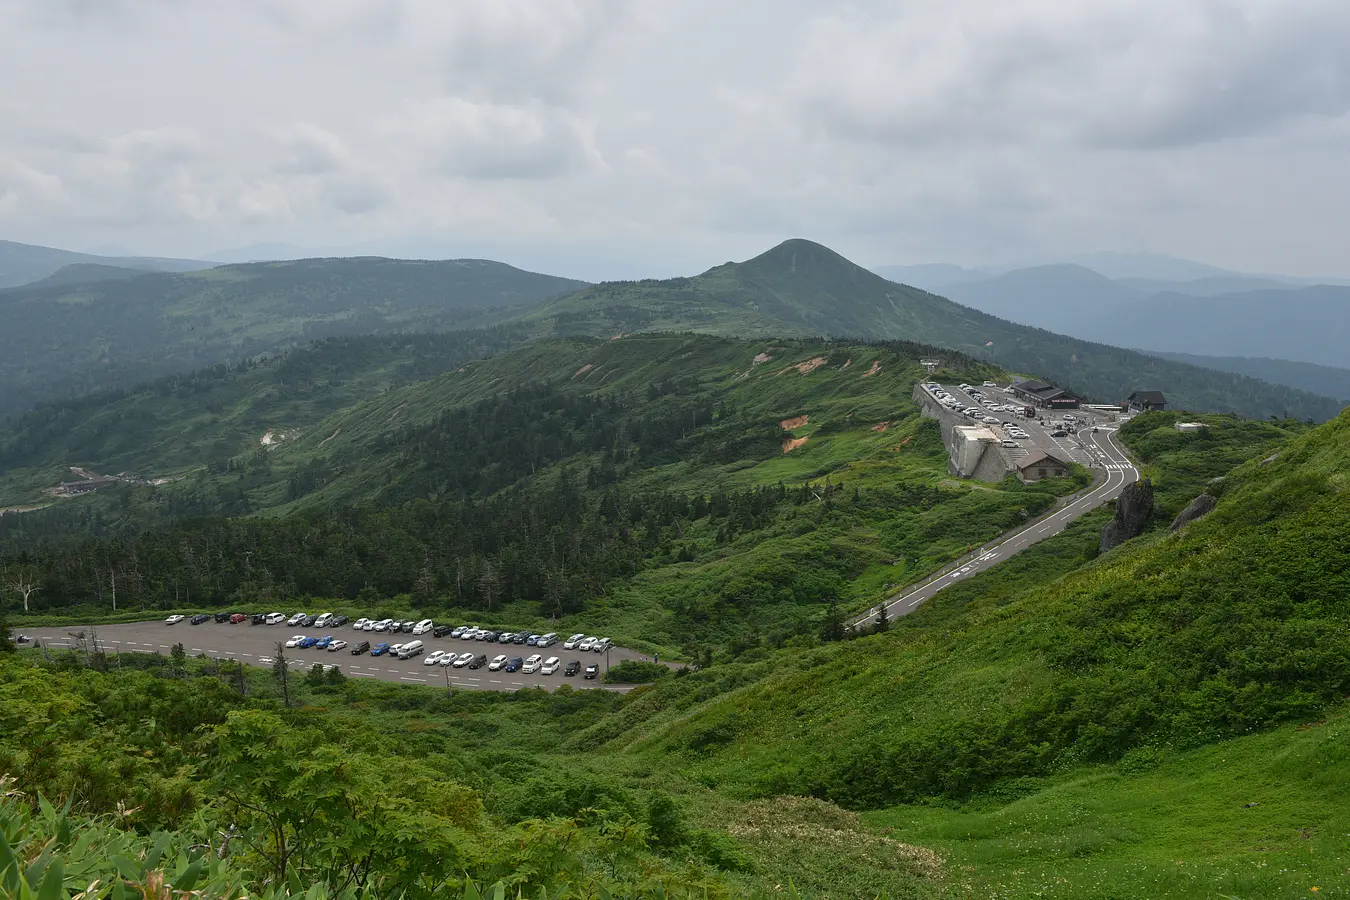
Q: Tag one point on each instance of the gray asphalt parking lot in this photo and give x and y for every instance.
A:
(252, 643)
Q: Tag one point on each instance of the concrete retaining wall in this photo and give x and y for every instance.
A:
(992, 466)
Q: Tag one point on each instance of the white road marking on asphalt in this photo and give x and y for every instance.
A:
(406, 678)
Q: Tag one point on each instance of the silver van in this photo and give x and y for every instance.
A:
(411, 649)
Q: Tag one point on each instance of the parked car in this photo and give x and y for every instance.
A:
(478, 661)
(423, 626)
(257, 619)
(550, 665)
(337, 645)
(573, 667)
(1059, 432)
(532, 640)
(237, 618)
(532, 664)
(295, 641)
(309, 621)
(360, 623)
(383, 624)
(488, 636)
(295, 619)
(458, 631)
(222, 617)
(441, 631)
(379, 649)
(174, 620)
(602, 645)
(463, 660)
(307, 643)
(199, 619)
(363, 647)
(321, 620)
(547, 640)
(522, 637)
(586, 644)
(1011, 444)
(506, 637)
(433, 657)
(448, 658)
(411, 649)
(592, 672)
(407, 627)
(323, 642)
(513, 664)
(395, 649)
(275, 618)
(497, 662)
(571, 643)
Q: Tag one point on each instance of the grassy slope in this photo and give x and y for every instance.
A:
(182, 423)
(116, 333)
(1162, 653)
(802, 288)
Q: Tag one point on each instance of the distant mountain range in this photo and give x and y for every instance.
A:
(71, 337)
(26, 263)
(1216, 315)
(1327, 381)
(801, 288)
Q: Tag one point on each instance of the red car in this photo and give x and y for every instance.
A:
(237, 618)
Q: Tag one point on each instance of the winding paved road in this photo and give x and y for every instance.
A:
(1105, 452)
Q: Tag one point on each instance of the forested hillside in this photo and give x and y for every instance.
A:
(802, 288)
(651, 486)
(70, 340)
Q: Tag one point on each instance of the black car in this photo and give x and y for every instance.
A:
(490, 637)
(592, 672)
(223, 616)
(573, 667)
(442, 630)
(308, 621)
(338, 621)
(1060, 433)
(521, 638)
(514, 664)
(478, 661)
(199, 618)
(363, 647)
(256, 619)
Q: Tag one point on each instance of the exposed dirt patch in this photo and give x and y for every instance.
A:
(761, 358)
(794, 422)
(272, 437)
(790, 444)
(876, 367)
(900, 446)
(582, 371)
(880, 427)
(330, 437)
(810, 365)
(618, 336)
(846, 364)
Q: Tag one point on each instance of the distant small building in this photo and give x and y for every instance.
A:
(1146, 401)
(1038, 464)
(1046, 396)
(1189, 427)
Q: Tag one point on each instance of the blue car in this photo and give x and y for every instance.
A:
(515, 663)
(308, 642)
(323, 642)
(380, 649)
(531, 640)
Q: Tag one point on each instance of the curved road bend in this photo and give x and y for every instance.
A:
(1106, 454)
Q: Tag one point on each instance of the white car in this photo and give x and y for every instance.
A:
(464, 660)
(174, 620)
(295, 641)
(433, 657)
(383, 624)
(459, 631)
(1011, 444)
(361, 623)
(497, 662)
(423, 626)
(586, 644)
(336, 646)
(322, 619)
(275, 618)
(602, 645)
(394, 649)
(550, 665)
(447, 658)
(532, 664)
(295, 619)
(571, 643)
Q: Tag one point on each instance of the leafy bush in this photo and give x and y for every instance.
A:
(636, 671)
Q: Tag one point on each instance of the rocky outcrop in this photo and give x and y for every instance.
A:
(1133, 509)
(1201, 506)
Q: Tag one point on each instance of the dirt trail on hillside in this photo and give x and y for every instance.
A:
(876, 367)
(790, 444)
(795, 422)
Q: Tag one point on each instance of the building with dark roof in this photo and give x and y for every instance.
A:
(1146, 401)
(1046, 396)
(1038, 464)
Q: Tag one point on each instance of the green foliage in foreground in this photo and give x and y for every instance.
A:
(635, 671)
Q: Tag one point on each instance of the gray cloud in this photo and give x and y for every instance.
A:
(683, 134)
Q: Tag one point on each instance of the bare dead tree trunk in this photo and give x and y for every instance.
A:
(25, 585)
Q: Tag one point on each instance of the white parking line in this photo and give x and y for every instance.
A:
(406, 678)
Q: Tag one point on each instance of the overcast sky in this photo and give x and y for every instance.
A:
(665, 136)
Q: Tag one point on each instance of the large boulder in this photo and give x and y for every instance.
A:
(1200, 506)
(1133, 509)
